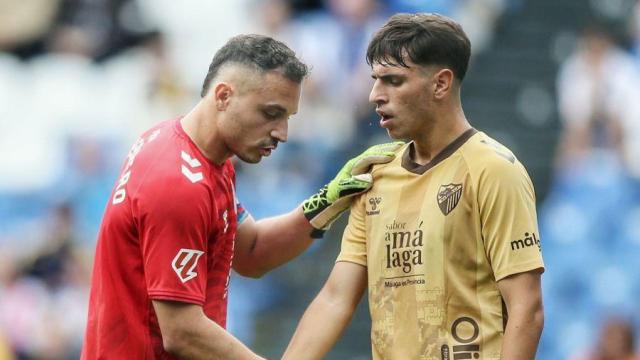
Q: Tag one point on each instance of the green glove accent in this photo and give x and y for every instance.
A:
(333, 199)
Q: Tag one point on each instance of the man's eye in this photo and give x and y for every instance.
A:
(270, 115)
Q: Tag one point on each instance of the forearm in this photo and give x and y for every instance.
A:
(318, 330)
(189, 334)
(522, 334)
(329, 313)
(278, 240)
(210, 341)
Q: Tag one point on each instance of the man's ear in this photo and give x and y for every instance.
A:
(443, 83)
(222, 93)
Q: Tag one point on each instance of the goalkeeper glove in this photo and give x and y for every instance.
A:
(333, 199)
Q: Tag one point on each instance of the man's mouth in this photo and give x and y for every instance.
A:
(385, 118)
(266, 151)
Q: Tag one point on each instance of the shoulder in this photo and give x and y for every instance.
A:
(168, 167)
(489, 160)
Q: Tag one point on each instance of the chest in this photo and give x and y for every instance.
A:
(414, 222)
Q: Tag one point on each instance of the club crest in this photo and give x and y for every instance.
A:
(448, 197)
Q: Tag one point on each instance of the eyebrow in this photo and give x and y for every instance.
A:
(279, 108)
(387, 77)
(276, 107)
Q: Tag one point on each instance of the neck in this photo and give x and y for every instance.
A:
(200, 126)
(443, 129)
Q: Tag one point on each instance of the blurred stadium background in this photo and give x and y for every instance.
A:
(556, 80)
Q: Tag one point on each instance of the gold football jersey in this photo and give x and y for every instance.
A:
(435, 239)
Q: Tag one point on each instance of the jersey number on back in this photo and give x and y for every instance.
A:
(121, 193)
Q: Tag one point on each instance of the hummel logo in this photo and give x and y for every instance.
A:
(194, 177)
(501, 152)
(374, 202)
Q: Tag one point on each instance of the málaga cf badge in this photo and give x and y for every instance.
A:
(448, 197)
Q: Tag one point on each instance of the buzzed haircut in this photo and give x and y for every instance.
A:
(425, 39)
(260, 52)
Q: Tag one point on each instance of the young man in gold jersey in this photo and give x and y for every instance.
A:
(447, 239)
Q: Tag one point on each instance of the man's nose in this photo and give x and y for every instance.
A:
(376, 95)
(281, 130)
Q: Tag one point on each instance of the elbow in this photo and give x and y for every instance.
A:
(538, 318)
(252, 274)
(174, 342)
(249, 271)
(171, 346)
(531, 319)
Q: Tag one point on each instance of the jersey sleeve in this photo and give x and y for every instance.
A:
(354, 242)
(241, 212)
(174, 230)
(508, 219)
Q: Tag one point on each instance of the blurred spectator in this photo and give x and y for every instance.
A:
(598, 98)
(43, 297)
(97, 28)
(93, 28)
(51, 265)
(24, 25)
(478, 18)
(192, 32)
(616, 342)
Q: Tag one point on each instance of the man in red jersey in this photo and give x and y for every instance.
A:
(173, 226)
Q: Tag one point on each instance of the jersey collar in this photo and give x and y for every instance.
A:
(409, 165)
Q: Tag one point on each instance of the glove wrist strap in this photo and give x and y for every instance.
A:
(317, 233)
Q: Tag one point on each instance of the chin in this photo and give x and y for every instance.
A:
(398, 135)
(395, 135)
(250, 158)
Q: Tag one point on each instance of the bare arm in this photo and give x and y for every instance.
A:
(268, 243)
(523, 298)
(329, 313)
(263, 245)
(189, 334)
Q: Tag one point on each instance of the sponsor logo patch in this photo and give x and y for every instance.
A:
(465, 331)
(529, 239)
(185, 262)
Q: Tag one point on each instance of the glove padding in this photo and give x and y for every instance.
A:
(354, 178)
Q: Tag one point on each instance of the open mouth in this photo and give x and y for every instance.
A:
(266, 151)
(385, 119)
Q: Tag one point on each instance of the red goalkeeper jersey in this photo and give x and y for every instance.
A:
(167, 234)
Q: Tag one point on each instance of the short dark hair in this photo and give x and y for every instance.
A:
(259, 52)
(426, 39)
